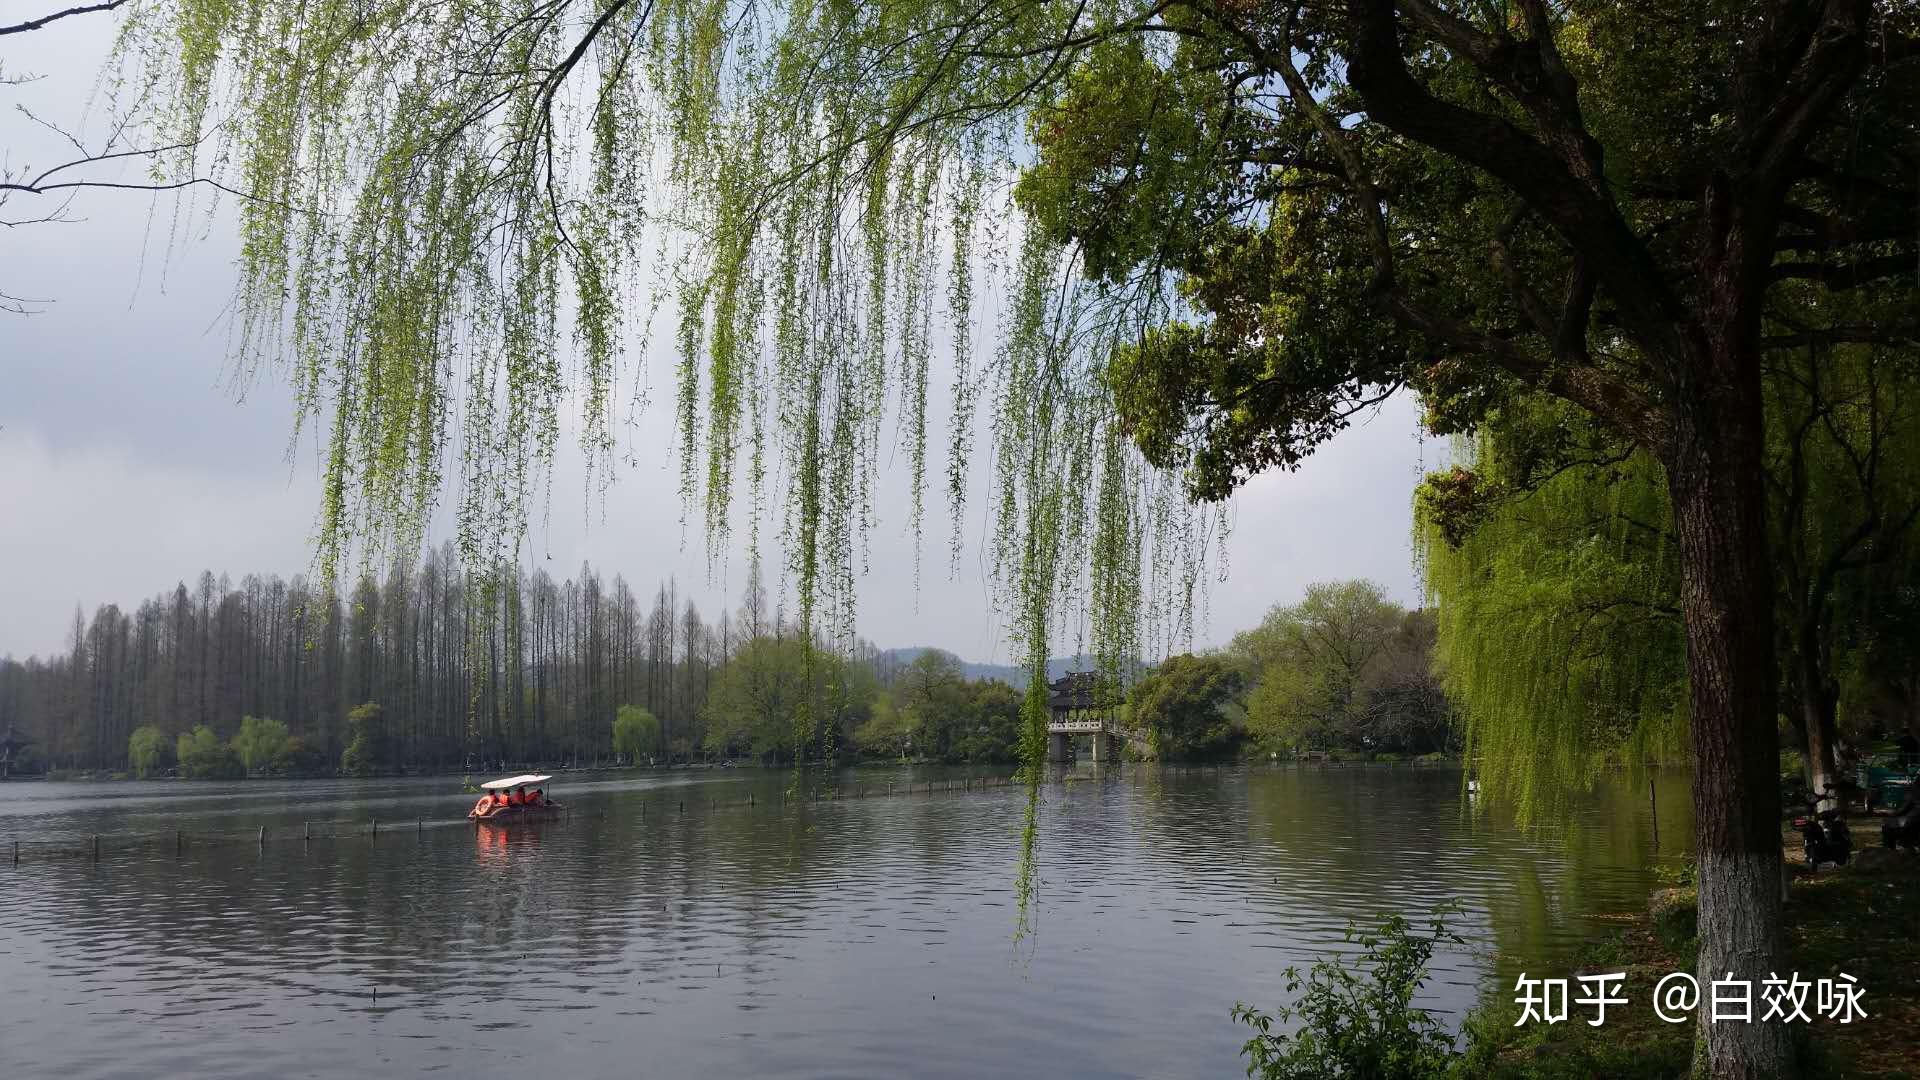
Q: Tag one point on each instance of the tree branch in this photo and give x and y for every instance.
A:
(1583, 216)
(35, 24)
(1849, 275)
(1570, 343)
(1834, 56)
(1844, 335)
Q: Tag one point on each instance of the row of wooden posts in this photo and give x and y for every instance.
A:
(931, 786)
(260, 838)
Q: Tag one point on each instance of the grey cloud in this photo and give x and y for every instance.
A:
(126, 463)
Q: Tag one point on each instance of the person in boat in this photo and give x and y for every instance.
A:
(537, 798)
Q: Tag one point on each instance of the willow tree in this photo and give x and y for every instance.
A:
(1551, 554)
(1282, 211)
(1548, 551)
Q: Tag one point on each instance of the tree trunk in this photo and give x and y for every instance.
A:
(1715, 480)
(1819, 705)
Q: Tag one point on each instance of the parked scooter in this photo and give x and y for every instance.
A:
(1825, 832)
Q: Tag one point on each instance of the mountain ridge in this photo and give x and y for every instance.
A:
(1014, 675)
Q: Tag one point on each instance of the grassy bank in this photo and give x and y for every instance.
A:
(1860, 920)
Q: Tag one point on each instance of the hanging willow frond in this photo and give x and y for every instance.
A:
(453, 209)
(1559, 640)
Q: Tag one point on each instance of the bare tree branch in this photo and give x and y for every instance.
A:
(35, 24)
(16, 305)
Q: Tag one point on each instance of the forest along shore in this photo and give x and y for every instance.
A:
(440, 665)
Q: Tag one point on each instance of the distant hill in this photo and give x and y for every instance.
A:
(1014, 675)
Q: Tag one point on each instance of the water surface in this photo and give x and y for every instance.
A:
(667, 928)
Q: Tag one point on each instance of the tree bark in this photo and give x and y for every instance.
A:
(1819, 704)
(1714, 475)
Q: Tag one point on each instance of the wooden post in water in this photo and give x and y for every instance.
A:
(419, 826)
(16, 851)
(263, 836)
(374, 834)
(306, 832)
(96, 847)
(1653, 811)
(179, 842)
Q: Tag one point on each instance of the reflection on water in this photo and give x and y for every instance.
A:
(868, 937)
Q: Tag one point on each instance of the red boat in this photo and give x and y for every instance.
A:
(514, 798)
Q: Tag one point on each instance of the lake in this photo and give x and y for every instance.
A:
(861, 937)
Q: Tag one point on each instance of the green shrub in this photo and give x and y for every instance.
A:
(367, 749)
(1356, 1021)
(1497, 1050)
(203, 756)
(1356, 1018)
(301, 758)
(147, 750)
(261, 743)
(1604, 954)
(636, 733)
(1678, 875)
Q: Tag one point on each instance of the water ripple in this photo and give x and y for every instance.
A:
(855, 937)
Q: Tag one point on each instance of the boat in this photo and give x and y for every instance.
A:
(501, 802)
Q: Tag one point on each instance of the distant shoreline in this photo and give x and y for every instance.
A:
(1332, 760)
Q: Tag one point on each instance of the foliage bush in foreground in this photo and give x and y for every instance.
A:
(1356, 1016)
(1354, 1019)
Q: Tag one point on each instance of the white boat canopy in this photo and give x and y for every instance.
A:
(513, 782)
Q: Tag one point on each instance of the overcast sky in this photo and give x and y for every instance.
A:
(128, 462)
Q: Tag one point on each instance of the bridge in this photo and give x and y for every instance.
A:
(1078, 707)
